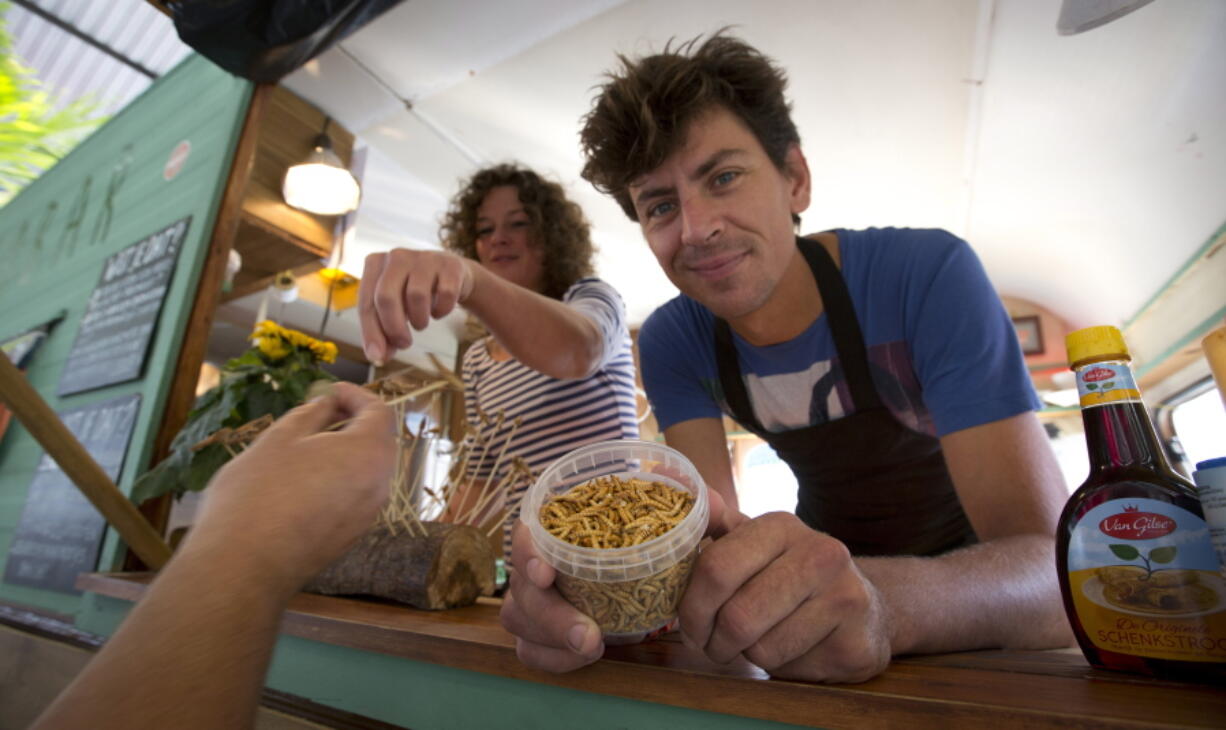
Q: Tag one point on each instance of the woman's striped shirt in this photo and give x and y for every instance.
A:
(558, 416)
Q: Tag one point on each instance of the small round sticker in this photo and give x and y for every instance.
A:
(174, 163)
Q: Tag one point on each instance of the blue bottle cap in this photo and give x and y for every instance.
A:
(1211, 463)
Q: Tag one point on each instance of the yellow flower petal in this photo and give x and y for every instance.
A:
(276, 342)
(273, 347)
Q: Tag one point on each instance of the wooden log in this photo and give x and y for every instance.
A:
(451, 566)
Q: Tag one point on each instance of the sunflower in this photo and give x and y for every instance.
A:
(272, 347)
(277, 342)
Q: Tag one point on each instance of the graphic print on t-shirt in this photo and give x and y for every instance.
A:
(819, 394)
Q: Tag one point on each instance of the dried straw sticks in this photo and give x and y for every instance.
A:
(609, 512)
(630, 606)
(612, 513)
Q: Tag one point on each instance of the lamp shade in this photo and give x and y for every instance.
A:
(321, 184)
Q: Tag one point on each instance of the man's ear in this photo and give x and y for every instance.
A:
(797, 169)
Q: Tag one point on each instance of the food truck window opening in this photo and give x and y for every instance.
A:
(1066, 434)
(764, 483)
(1193, 421)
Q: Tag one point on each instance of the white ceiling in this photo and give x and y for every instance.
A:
(1084, 169)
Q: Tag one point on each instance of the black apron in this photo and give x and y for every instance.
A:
(865, 479)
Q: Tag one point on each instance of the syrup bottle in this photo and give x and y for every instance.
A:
(1138, 573)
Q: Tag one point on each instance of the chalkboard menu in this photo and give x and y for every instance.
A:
(60, 531)
(119, 320)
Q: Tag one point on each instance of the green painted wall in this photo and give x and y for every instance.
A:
(106, 194)
(430, 697)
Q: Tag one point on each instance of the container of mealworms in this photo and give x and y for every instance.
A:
(620, 521)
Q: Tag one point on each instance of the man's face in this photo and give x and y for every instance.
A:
(717, 214)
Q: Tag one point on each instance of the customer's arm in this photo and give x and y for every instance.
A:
(193, 652)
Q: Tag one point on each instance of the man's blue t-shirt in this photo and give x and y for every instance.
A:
(941, 347)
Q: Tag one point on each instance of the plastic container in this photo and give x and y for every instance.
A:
(654, 573)
(1210, 478)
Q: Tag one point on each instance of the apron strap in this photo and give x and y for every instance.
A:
(730, 378)
(844, 325)
(844, 329)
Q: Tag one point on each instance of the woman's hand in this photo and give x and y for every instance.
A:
(406, 287)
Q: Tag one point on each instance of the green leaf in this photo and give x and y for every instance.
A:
(1163, 554)
(204, 402)
(249, 359)
(1109, 384)
(261, 399)
(1125, 552)
(204, 465)
(1091, 386)
(165, 478)
(204, 422)
(297, 384)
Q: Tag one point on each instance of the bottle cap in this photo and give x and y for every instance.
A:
(1095, 343)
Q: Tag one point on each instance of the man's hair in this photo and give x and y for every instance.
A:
(558, 224)
(642, 113)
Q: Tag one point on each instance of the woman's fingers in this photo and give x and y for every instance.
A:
(405, 289)
(374, 342)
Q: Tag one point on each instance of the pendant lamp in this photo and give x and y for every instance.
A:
(321, 184)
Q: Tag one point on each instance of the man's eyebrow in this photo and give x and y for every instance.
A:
(714, 160)
(651, 193)
(699, 172)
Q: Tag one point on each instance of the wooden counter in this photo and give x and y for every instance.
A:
(997, 689)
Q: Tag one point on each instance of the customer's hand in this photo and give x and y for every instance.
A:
(789, 599)
(301, 494)
(407, 287)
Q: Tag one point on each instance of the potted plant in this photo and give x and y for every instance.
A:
(270, 378)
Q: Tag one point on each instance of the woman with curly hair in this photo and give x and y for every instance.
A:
(556, 365)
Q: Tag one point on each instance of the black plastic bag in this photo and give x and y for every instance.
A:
(263, 40)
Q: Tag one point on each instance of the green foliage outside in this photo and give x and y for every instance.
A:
(33, 134)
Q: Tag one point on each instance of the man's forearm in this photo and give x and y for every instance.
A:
(1000, 594)
(192, 654)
